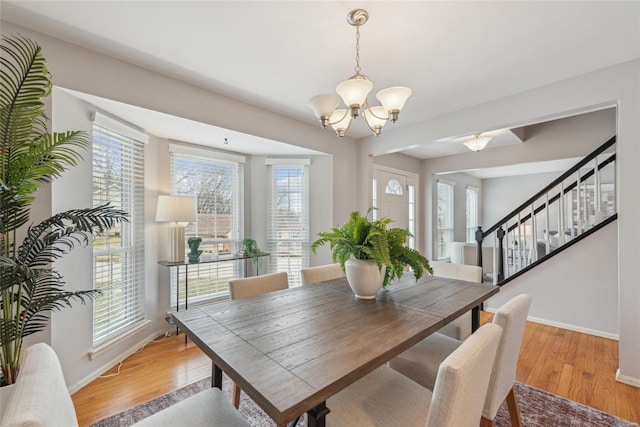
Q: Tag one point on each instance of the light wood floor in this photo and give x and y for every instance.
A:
(577, 366)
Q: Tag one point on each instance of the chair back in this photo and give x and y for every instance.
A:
(460, 328)
(469, 273)
(40, 397)
(512, 318)
(257, 285)
(321, 273)
(463, 379)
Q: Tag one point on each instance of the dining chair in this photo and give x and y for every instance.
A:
(321, 273)
(387, 398)
(460, 328)
(257, 285)
(206, 408)
(40, 398)
(252, 286)
(421, 362)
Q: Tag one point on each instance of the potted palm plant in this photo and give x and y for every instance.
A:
(30, 156)
(371, 254)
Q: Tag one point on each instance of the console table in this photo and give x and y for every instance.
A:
(203, 260)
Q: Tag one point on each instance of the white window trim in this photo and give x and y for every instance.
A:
(287, 162)
(119, 126)
(206, 153)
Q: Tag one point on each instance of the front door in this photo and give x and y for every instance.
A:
(393, 202)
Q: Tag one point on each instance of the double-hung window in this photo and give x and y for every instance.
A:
(288, 217)
(118, 255)
(216, 180)
(472, 213)
(444, 220)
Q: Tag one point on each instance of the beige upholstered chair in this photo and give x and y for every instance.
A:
(321, 273)
(252, 286)
(420, 363)
(388, 398)
(40, 398)
(461, 327)
(207, 408)
(257, 285)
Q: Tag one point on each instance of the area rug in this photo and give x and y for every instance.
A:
(538, 409)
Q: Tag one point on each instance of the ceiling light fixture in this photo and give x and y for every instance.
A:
(354, 91)
(477, 143)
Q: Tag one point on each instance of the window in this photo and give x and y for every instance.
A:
(216, 181)
(444, 220)
(472, 213)
(412, 215)
(393, 187)
(288, 218)
(118, 256)
(374, 200)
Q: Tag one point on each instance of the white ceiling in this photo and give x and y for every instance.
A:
(277, 54)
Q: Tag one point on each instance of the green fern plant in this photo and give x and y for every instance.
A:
(31, 156)
(363, 238)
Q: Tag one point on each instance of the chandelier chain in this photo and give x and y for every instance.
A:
(358, 51)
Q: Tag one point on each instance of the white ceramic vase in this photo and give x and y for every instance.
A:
(364, 277)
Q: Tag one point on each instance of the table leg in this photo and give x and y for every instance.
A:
(475, 318)
(316, 416)
(186, 293)
(177, 293)
(216, 376)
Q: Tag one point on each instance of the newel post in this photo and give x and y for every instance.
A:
(479, 239)
(500, 234)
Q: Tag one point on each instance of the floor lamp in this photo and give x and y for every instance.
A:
(176, 209)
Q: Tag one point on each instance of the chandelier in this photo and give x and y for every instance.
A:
(354, 92)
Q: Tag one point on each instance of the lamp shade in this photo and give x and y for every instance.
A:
(323, 105)
(354, 91)
(176, 208)
(340, 121)
(393, 98)
(373, 116)
(477, 143)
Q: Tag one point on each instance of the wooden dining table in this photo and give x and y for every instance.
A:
(293, 349)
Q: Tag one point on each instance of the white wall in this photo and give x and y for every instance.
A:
(613, 86)
(500, 196)
(399, 161)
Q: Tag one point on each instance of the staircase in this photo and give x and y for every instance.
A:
(575, 205)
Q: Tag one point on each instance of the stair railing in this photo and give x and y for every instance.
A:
(576, 202)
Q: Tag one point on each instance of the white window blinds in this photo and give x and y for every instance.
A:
(444, 220)
(118, 256)
(217, 184)
(288, 220)
(473, 209)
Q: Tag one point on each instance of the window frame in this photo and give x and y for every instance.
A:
(123, 297)
(444, 236)
(278, 263)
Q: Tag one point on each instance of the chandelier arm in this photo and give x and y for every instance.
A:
(369, 126)
(329, 123)
(386, 119)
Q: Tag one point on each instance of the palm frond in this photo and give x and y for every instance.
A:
(59, 234)
(26, 81)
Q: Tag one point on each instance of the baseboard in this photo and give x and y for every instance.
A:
(624, 379)
(108, 365)
(567, 326)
